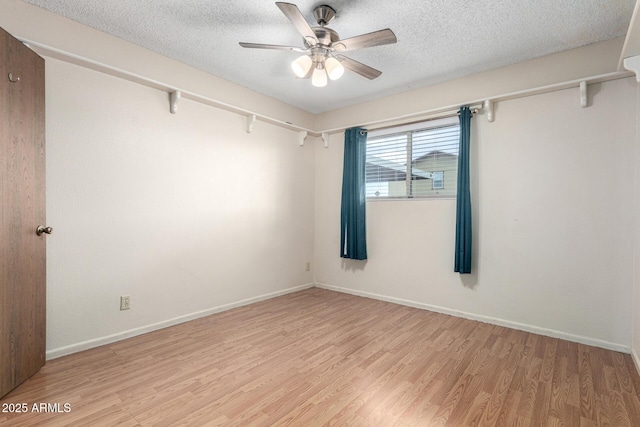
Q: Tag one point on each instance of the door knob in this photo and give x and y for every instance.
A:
(42, 229)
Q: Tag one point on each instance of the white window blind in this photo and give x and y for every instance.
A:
(413, 161)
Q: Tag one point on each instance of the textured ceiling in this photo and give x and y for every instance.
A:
(438, 40)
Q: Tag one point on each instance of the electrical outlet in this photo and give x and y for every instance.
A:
(308, 266)
(125, 302)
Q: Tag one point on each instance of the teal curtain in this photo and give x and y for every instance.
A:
(353, 230)
(463, 205)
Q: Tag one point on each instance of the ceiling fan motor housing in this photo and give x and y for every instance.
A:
(320, 51)
(325, 36)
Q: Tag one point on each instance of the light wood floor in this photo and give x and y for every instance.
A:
(317, 357)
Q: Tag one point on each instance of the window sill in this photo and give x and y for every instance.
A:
(403, 199)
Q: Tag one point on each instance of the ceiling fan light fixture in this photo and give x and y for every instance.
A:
(323, 46)
(319, 77)
(301, 66)
(334, 68)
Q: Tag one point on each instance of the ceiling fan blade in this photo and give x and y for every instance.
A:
(377, 38)
(292, 12)
(272, 46)
(358, 67)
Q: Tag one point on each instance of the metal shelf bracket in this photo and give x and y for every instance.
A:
(488, 106)
(250, 120)
(583, 94)
(174, 97)
(632, 63)
(301, 137)
(325, 139)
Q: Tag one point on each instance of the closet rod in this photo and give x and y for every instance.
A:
(435, 112)
(127, 75)
(398, 120)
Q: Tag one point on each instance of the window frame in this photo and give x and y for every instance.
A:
(410, 129)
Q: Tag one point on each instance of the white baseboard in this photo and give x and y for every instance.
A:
(97, 342)
(491, 320)
(636, 359)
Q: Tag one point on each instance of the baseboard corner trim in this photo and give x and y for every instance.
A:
(97, 342)
(487, 319)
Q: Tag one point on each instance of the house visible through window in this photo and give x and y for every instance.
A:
(418, 160)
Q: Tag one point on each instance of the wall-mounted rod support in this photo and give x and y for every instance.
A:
(583, 94)
(488, 105)
(250, 120)
(174, 97)
(301, 137)
(632, 63)
(325, 139)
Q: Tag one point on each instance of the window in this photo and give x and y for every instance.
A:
(412, 161)
(437, 181)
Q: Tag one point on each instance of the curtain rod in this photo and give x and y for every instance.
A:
(443, 115)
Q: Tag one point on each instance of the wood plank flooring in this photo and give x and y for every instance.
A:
(317, 357)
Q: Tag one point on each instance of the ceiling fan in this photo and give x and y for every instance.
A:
(322, 44)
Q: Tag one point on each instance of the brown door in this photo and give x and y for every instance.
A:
(22, 209)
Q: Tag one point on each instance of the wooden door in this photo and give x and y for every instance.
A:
(22, 209)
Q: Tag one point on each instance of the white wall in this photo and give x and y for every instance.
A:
(635, 348)
(182, 212)
(552, 190)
